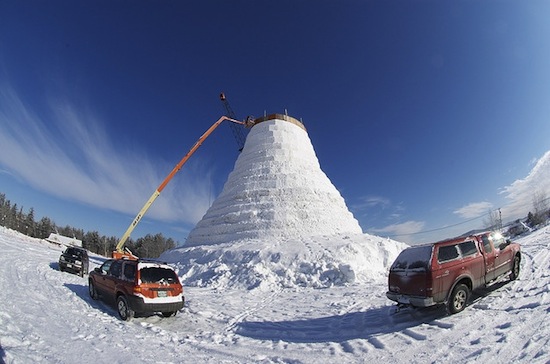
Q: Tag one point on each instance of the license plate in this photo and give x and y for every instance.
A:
(161, 293)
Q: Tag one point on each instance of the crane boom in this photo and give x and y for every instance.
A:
(119, 252)
(237, 132)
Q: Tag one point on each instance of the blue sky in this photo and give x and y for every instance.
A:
(425, 115)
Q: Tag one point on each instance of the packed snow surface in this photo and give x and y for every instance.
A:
(276, 190)
(47, 316)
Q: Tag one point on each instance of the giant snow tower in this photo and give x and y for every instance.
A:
(276, 190)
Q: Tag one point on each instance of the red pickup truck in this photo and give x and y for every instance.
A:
(448, 271)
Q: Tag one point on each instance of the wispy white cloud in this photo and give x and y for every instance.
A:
(402, 231)
(367, 202)
(67, 153)
(474, 209)
(522, 191)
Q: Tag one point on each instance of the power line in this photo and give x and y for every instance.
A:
(524, 205)
(441, 228)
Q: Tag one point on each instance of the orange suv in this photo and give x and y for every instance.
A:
(137, 286)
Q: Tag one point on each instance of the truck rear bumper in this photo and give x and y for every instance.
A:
(410, 300)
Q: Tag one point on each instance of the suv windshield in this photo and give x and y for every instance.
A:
(416, 257)
(156, 275)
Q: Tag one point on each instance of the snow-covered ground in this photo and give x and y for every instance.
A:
(47, 316)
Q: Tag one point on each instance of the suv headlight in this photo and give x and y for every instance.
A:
(78, 262)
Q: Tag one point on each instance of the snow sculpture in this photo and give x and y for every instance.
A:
(276, 190)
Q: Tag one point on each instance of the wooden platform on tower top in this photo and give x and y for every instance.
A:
(284, 117)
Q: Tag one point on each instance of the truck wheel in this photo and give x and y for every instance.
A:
(458, 299)
(514, 274)
(124, 310)
(92, 291)
(169, 314)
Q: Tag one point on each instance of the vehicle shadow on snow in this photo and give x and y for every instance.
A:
(107, 307)
(482, 292)
(2, 355)
(82, 292)
(358, 325)
(338, 328)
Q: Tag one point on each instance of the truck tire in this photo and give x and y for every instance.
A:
(169, 314)
(514, 274)
(124, 310)
(458, 299)
(92, 290)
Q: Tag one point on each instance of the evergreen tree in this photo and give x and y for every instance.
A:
(30, 224)
(44, 227)
(13, 217)
(13, 223)
(92, 242)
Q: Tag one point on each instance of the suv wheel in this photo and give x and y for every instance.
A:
(124, 310)
(514, 274)
(92, 290)
(459, 298)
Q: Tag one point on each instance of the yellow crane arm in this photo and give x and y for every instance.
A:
(119, 252)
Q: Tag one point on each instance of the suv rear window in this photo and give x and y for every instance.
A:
(416, 257)
(156, 275)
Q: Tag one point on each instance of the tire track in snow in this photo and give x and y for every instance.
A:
(231, 325)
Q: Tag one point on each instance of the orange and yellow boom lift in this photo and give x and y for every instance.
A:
(122, 252)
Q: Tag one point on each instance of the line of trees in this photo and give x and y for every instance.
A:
(539, 215)
(541, 211)
(14, 217)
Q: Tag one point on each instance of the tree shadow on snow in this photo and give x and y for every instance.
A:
(338, 328)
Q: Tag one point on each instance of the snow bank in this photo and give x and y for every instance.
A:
(318, 262)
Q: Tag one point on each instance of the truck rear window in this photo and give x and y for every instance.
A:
(413, 258)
